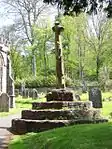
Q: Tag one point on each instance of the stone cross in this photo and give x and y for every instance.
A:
(59, 57)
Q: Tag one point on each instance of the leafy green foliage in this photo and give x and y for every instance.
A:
(86, 50)
(40, 81)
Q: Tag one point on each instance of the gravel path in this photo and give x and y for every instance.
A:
(5, 135)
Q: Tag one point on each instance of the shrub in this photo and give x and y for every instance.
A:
(35, 82)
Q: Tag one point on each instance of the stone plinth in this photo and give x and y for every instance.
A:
(59, 95)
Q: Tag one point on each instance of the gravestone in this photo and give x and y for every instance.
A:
(16, 92)
(30, 93)
(96, 97)
(25, 93)
(4, 102)
(77, 97)
(34, 94)
(22, 88)
(84, 87)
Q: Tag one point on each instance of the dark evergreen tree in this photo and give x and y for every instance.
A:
(78, 6)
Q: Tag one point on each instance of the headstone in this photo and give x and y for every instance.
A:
(25, 93)
(4, 102)
(96, 97)
(30, 93)
(16, 92)
(22, 88)
(35, 94)
(77, 97)
(84, 87)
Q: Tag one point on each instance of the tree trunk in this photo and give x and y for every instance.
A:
(34, 64)
(97, 67)
(45, 61)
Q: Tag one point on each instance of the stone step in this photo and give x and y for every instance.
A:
(59, 95)
(62, 104)
(21, 126)
(60, 114)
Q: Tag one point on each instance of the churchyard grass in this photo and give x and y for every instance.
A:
(87, 136)
(21, 104)
(107, 109)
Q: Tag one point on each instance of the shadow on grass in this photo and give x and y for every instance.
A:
(25, 102)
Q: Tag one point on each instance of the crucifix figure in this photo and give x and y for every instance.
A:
(59, 57)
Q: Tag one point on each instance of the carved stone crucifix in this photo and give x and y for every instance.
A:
(59, 57)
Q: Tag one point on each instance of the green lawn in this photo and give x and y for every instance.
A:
(107, 108)
(92, 136)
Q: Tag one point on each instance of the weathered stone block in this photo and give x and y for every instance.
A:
(61, 105)
(59, 95)
(21, 126)
(60, 114)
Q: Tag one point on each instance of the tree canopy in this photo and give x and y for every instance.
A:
(78, 6)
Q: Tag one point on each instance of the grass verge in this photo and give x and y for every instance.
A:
(92, 136)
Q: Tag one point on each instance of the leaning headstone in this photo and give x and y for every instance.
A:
(96, 97)
(4, 102)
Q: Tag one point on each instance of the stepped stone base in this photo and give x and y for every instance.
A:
(61, 104)
(22, 126)
(59, 110)
(60, 114)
